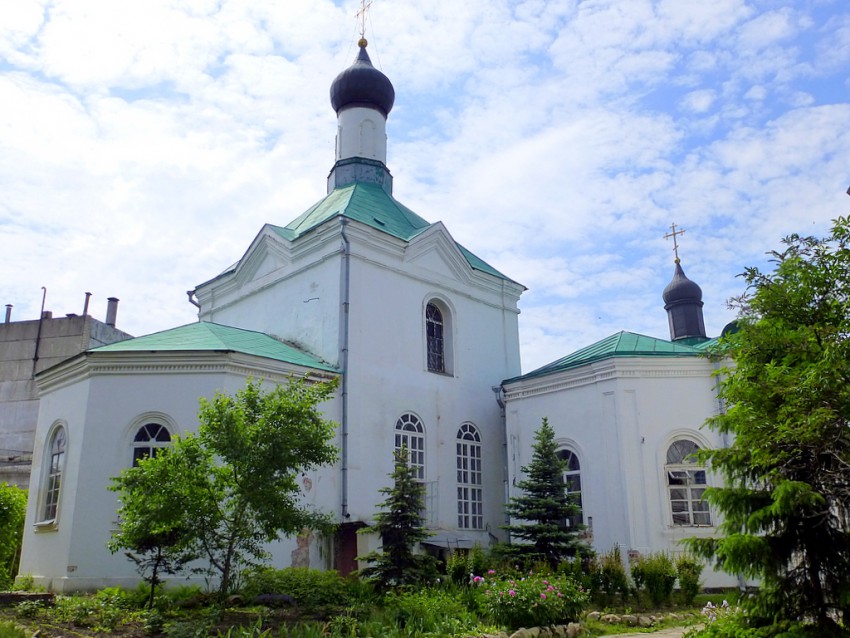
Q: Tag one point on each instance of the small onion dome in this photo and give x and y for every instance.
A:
(681, 289)
(361, 84)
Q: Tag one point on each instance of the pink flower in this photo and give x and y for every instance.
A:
(490, 572)
(543, 596)
(511, 592)
(549, 588)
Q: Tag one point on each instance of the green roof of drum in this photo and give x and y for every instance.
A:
(214, 337)
(371, 205)
(622, 344)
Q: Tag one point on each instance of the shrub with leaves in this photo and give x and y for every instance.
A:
(309, 587)
(461, 564)
(533, 600)
(13, 506)
(688, 571)
(429, 610)
(612, 577)
(655, 575)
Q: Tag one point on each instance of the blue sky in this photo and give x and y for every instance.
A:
(144, 144)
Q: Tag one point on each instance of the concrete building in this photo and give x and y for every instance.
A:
(30, 347)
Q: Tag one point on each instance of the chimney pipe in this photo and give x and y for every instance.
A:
(8, 313)
(111, 311)
(86, 305)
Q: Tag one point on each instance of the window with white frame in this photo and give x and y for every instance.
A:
(470, 501)
(410, 434)
(572, 481)
(149, 439)
(435, 338)
(53, 482)
(686, 485)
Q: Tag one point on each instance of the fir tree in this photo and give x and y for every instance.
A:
(545, 505)
(401, 528)
(786, 498)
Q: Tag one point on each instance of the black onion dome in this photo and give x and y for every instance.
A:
(681, 289)
(361, 84)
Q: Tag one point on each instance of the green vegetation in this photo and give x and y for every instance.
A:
(229, 488)
(401, 528)
(787, 468)
(326, 604)
(654, 576)
(545, 507)
(13, 507)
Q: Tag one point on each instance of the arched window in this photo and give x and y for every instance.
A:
(55, 465)
(572, 480)
(410, 433)
(686, 484)
(150, 438)
(470, 501)
(435, 336)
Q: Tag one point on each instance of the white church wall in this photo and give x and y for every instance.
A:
(102, 416)
(388, 376)
(296, 298)
(622, 415)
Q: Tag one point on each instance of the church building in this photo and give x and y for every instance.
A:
(628, 412)
(423, 335)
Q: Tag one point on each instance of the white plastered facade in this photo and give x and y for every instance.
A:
(620, 415)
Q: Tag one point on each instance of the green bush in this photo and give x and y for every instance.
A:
(13, 506)
(462, 565)
(309, 587)
(724, 621)
(655, 576)
(688, 571)
(429, 610)
(533, 600)
(11, 630)
(611, 577)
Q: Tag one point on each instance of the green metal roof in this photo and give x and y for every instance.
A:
(371, 205)
(214, 337)
(621, 345)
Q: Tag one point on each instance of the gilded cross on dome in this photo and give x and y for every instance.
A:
(361, 15)
(675, 242)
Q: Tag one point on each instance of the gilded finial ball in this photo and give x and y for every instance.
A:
(362, 43)
(677, 261)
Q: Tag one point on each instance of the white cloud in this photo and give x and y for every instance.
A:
(143, 146)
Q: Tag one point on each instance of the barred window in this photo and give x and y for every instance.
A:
(434, 332)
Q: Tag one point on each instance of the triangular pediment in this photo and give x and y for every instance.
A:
(435, 250)
(268, 253)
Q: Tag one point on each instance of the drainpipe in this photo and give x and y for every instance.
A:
(345, 276)
(191, 295)
(724, 439)
(38, 334)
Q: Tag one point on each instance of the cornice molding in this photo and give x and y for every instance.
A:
(614, 368)
(95, 364)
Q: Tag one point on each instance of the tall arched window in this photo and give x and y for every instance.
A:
(435, 337)
(686, 484)
(470, 501)
(410, 433)
(572, 480)
(150, 438)
(55, 465)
